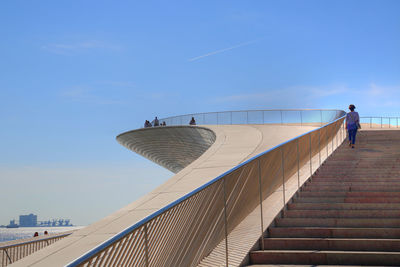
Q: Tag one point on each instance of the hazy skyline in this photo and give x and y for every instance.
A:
(75, 74)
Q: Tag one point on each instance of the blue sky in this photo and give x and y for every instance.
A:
(74, 74)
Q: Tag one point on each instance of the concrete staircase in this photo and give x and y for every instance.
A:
(348, 213)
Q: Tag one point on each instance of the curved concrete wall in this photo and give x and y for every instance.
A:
(172, 147)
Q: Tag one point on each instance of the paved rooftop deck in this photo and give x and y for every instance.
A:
(233, 144)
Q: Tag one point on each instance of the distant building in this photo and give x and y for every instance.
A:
(12, 224)
(28, 220)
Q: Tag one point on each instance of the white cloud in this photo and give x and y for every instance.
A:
(318, 92)
(371, 98)
(126, 84)
(87, 94)
(70, 48)
(381, 96)
(297, 96)
(375, 90)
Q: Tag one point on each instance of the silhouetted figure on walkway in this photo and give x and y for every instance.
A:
(163, 123)
(46, 233)
(352, 124)
(156, 122)
(192, 121)
(35, 234)
(147, 124)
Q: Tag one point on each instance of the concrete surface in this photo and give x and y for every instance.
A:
(348, 213)
(173, 147)
(233, 144)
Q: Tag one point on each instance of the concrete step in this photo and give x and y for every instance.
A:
(347, 200)
(377, 173)
(338, 173)
(362, 163)
(370, 187)
(304, 265)
(347, 214)
(358, 170)
(359, 167)
(332, 244)
(343, 206)
(334, 232)
(347, 194)
(352, 183)
(324, 257)
(362, 166)
(342, 214)
(389, 177)
(341, 159)
(346, 170)
(336, 179)
(338, 160)
(337, 222)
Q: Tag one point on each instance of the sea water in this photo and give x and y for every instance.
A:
(8, 234)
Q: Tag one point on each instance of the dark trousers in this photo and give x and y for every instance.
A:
(352, 135)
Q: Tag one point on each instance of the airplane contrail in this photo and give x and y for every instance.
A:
(222, 50)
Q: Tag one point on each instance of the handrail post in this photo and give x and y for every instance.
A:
(301, 118)
(310, 156)
(337, 142)
(217, 119)
(327, 143)
(231, 118)
(319, 146)
(283, 176)
(321, 116)
(343, 130)
(298, 164)
(263, 117)
(247, 117)
(8, 256)
(261, 207)
(281, 118)
(146, 248)
(226, 224)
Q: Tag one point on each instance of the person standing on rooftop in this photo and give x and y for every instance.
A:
(156, 122)
(352, 124)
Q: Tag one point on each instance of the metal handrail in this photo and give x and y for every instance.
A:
(217, 117)
(16, 251)
(104, 252)
(379, 121)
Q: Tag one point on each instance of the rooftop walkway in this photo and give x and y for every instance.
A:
(234, 173)
(209, 151)
(348, 213)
